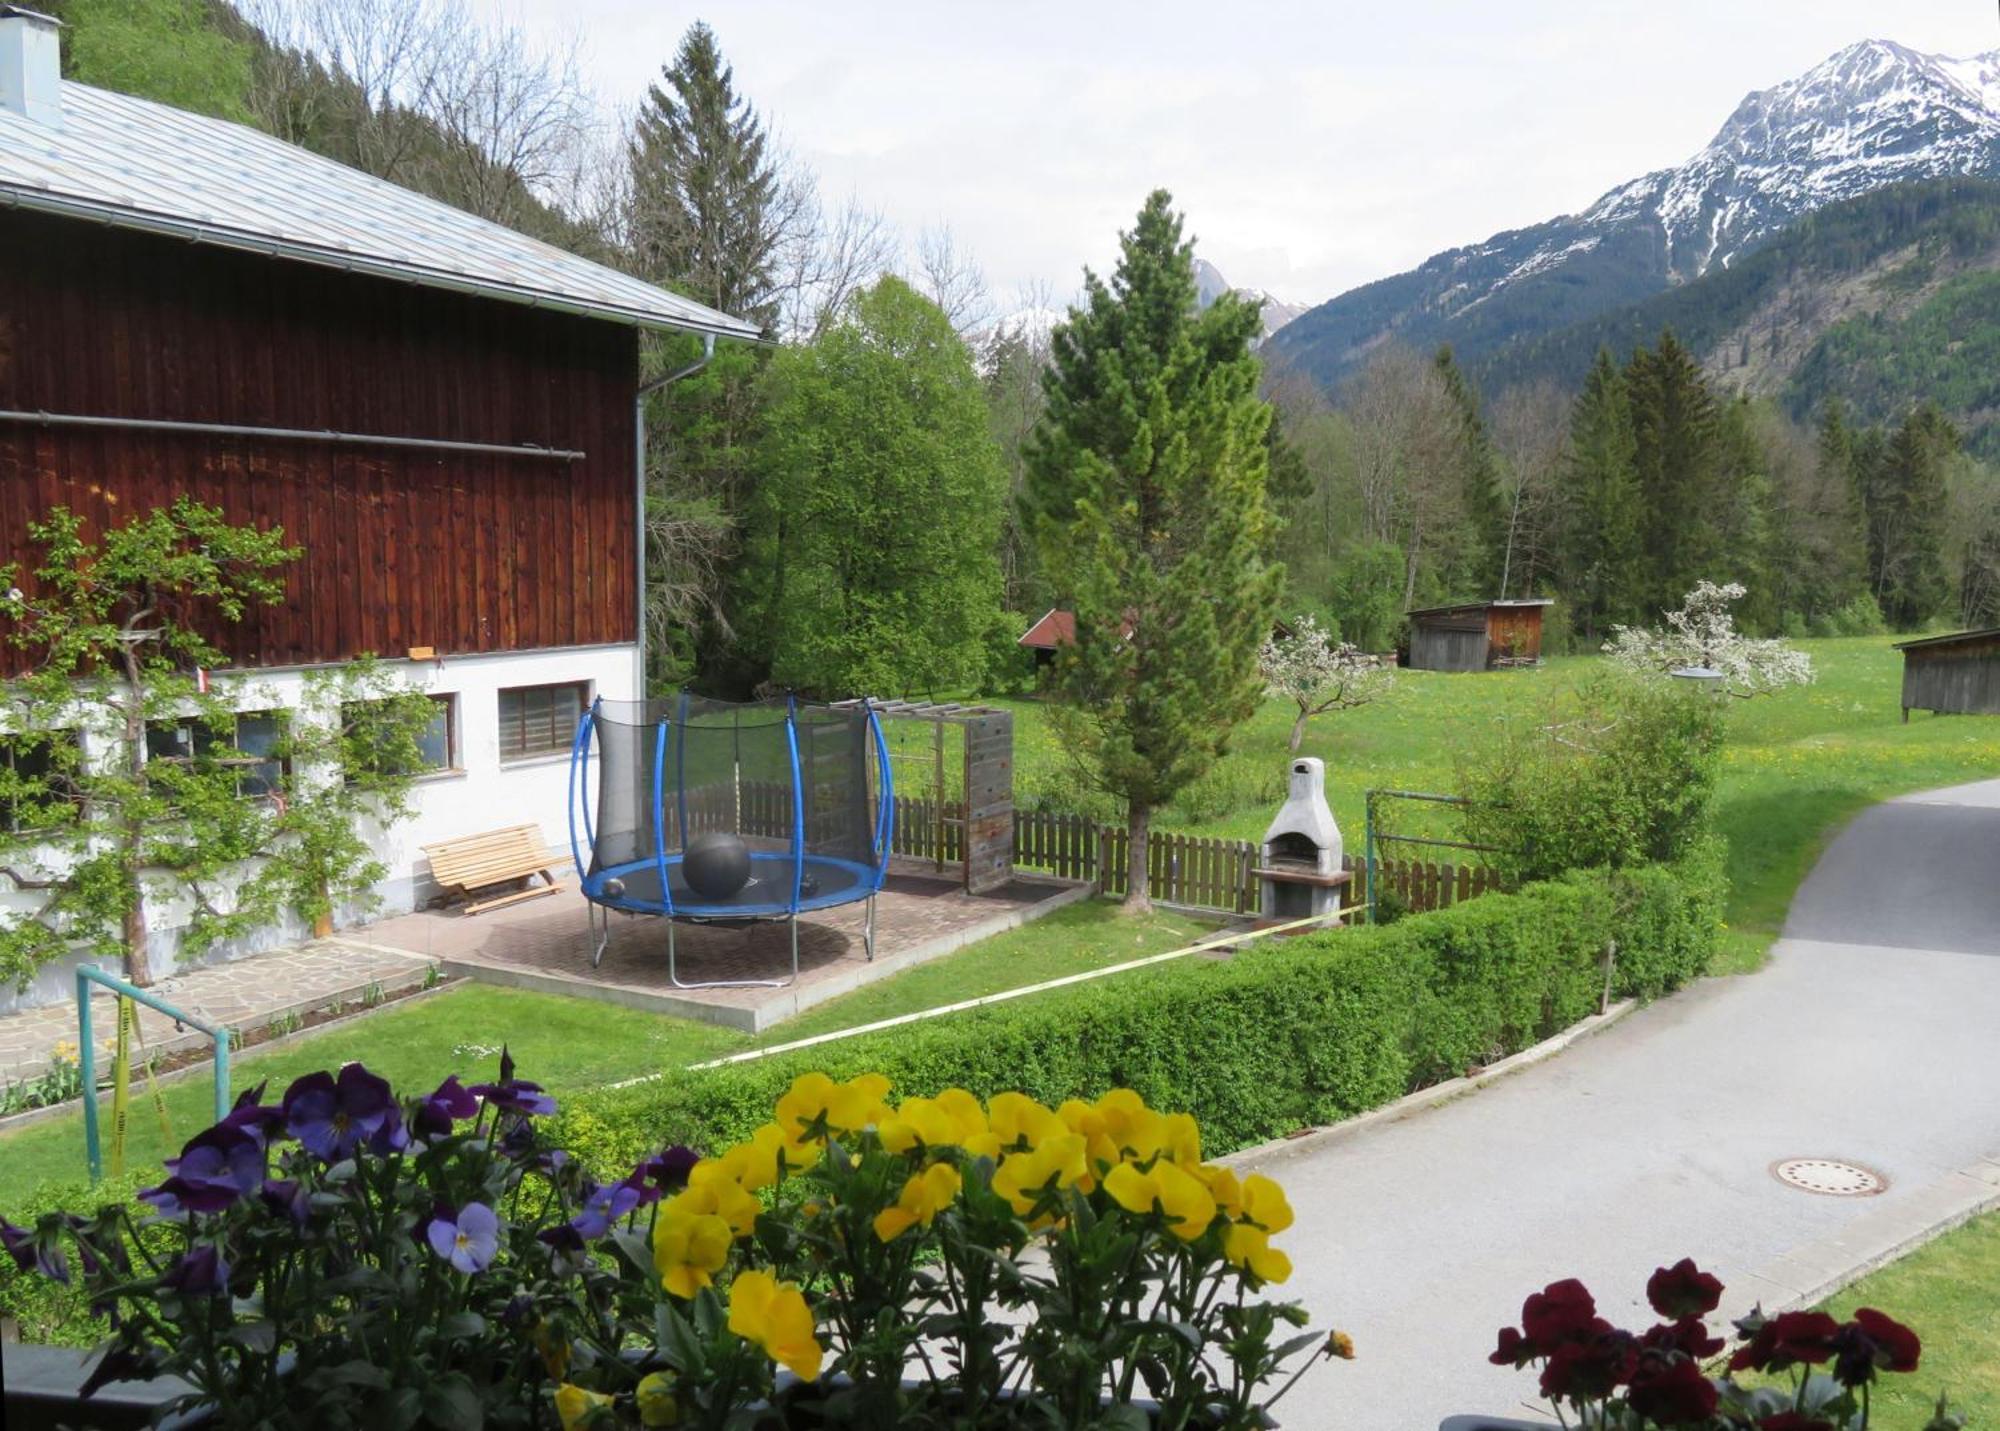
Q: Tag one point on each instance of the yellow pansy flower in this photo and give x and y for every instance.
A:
(758, 1163)
(576, 1406)
(689, 1249)
(657, 1403)
(964, 1110)
(1250, 1249)
(919, 1122)
(815, 1105)
(775, 1316)
(1223, 1187)
(1180, 1196)
(712, 1190)
(1183, 1139)
(1015, 1118)
(1022, 1177)
(924, 1196)
(1134, 1129)
(1264, 1204)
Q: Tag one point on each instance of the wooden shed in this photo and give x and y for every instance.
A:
(1477, 635)
(1958, 674)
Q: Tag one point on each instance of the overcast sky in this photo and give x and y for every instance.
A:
(1313, 146)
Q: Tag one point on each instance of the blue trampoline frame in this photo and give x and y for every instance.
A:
(606, 889)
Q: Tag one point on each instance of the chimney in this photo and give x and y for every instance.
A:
(31, 65)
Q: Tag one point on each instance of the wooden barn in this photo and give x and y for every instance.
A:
(441, 411)
(1477, 635)
(1958, 674)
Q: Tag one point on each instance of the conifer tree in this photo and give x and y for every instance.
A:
(1597, 542)
(1146, 498)
(1910, 497)
(1470, 556)
(704, 189)
(1675, 427)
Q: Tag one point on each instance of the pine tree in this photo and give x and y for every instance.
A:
(1675, 431)
(1911, 505)
(704, 186)
(1469, 557)
(702, 221)
(1597, 526)
(1146, 498)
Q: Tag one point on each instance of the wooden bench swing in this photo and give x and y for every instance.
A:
(474, 863)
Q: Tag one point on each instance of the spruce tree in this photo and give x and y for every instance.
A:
(1675, 430)
(1146, 499)
(1911, 488)
(1469, 556)
(704, 187)
(1597, 525)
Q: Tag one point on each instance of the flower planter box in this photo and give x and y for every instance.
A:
(41, 1385)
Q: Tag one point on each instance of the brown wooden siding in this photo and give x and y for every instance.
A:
(1515, 631)
(463, 552)
(1961, 677)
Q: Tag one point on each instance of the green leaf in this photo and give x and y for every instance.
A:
(461, 1325)
(452, 1404)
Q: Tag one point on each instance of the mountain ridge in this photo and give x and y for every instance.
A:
(1873, 114)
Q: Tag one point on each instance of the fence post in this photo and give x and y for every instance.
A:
(1610, 963)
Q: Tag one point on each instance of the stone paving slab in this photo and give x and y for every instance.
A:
(243, 994)
(545, 945)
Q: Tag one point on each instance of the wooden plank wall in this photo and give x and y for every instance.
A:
(463, 552)
(1961, 678)
(1515, 632)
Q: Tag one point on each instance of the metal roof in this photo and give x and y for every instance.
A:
(1481, 605)
(135, 164)
(1984, 633)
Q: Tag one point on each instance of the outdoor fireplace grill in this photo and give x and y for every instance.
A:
(1299, 870)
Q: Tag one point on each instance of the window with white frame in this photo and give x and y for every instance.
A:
(540, 720)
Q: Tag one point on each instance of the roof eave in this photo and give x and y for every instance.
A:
(144, 221)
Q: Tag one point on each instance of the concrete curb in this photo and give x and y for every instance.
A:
(1423, 1098)
(1808, 1275)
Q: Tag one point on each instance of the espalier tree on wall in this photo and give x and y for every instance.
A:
(126, 792)
(1146, 498)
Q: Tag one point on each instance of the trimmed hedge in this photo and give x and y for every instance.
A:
(1309, 1032)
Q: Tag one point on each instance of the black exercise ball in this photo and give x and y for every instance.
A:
(716, 865)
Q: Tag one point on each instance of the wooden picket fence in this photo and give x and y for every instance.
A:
(1193, 870)
(1196, 871)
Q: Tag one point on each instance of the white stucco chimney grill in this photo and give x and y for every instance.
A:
(1300, 871)
(31, 65)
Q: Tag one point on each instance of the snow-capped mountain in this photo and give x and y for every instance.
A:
(1876, 113)
(1210, 285)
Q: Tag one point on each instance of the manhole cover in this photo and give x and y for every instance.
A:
(1829, 1177)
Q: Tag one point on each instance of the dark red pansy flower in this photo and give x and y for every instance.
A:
(1671, 1391)
(1558, 1312)
(1786, 1340)
(1591, 1364)
(1689, 1335)
(1514, 1349)
(1683, 1290)
(1898, 1342)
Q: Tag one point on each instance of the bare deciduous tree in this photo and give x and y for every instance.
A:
(828, 254)
(950, 277)
(1530, 427)
(1406, 438)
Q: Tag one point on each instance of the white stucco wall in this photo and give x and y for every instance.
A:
(482, 793)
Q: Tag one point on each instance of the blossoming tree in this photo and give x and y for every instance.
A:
(1703, 636)
(1319, 674)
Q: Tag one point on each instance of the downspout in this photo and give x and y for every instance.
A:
(645, 391)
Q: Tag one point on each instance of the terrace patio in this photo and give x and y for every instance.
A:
(545, 945)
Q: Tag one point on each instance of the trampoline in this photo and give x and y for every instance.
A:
(729, 813)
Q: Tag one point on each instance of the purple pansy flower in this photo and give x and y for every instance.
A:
(201, 1271)
(451, 1103)
(516, 1095)
(33, 1251)
(255, 1117)
(216, 1168)
(602, 1207)
(468, 1240)
(668, 1169)
(287, 1196)
(333, 1116)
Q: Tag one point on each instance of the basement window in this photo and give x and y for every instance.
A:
(540, 720)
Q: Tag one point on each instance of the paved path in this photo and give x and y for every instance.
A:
(242, 994)
(1874, 1036)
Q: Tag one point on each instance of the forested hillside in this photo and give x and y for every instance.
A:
(1885, 301)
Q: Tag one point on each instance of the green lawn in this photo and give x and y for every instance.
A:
(1797, 767)
(1946, 1291)
(569, 1044)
